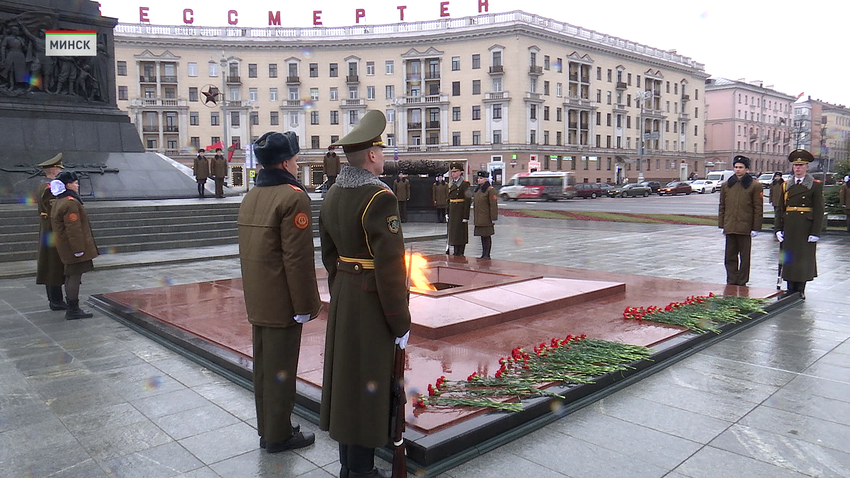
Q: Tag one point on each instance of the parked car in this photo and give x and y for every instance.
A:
(588, 190)
(632, 190)
(604, 187)
(654, 186)
(675, 187)
(703, 186)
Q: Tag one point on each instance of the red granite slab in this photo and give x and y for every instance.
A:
(215, 311)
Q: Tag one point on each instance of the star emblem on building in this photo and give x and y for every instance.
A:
(210, 95)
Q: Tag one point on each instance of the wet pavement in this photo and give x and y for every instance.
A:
(92, 398)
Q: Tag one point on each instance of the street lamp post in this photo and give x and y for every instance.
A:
(644, 96)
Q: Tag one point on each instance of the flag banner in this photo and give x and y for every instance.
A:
(215, 146)
(230, 150)
(71, 43)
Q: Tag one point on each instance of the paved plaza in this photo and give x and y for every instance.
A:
(92, 398)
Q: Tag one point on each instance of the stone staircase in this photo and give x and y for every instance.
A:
(133, 226)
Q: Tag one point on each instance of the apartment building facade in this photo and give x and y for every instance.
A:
(824, 129)
(749, 119)
(513, 91)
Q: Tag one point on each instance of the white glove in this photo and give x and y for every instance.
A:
(780, 236)
(302, 318)
(754, 233)
(495, 220)
(466, 220)
(814, 238)
(447, 217)
(722, 231)
(402, 341)
(79, 254)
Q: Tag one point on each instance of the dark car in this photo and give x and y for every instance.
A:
(588, 190)
(629, 190)
(675, 187)
(654, 186)
(604, 187)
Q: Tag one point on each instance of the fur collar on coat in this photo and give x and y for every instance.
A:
(745, 181)
(351, 177)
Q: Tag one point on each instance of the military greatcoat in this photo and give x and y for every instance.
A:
(486, 207)
(363, 252)
(800, 215)
(50, 270)
(72, 231)
(201, 167)
(460, 199)
(440, 194)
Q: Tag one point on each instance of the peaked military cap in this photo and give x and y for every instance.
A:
(741, 159)
(456, 167)
(800, 156)
(482, 174)
(366, 134)
(274, 147)
(54, 162)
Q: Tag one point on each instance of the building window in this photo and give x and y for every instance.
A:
(545, 113)
(252, 70)
(497, 136)
(274, 119)
(195, 142)
(121, 68)
(122, 93)
(293, 93)
(455, 113)
(272, 94)
(558, 116)
(272, 70)
(333, 70)
(353, 93)
(476, 112)
(696, 112)
(353, 117)
(476, 61)
(608, 97)
(314, 70)
(293, 118)
(497, 111)
(214, 119)
(558, 138)
(314, 117)
(545, 62)
(389, 67)
(476, 138)
(370, 68)
(193, 118)
(533, 112)
(608, 119)
(598, 119)
(607, 142)
(455, 138)
(314, 94)
(455, 63)
(234, 118)
(255, 118)
(390, 114)
(334, 138)
(546, 88)
(314, 142)
(455, 88)
(213, 69)
(476, 87)
(334, 94)
(193, 94)
(334, 117)
(252, 94)
(192, 69)
(370, 92)
(696, 129)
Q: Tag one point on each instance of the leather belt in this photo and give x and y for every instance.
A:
(358, 263)
(798, 209)
(457, 200)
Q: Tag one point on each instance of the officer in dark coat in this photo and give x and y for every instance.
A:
(401, 188)
(49, 271)
(486, 207)
(363, 252)
(331, 166)
(799, 221)
(440, 197)
(219, 172)
(740, 218)
(201, 169)
(460, 199)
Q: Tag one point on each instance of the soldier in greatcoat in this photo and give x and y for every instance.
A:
(844, 200)
(776, 187)
(401, 188)
(201, 169)
(363, 252)
(485, 203)
(279, 284)
(799, 221)
(330, 163)
(440, 197)
(50, 270)
(74, 238)
(460, 199)
(219, 172)
(740, 217)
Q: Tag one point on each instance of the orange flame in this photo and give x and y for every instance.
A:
(417, 267)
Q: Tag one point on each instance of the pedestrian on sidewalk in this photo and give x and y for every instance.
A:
(50, 270)
(401, 188)
(201, 169)
(486, 206)
(219, 172)
(799, 221)
(844, 197)
(74, 239)
(740, 218)
(440, 197)
(363, 252)
(460, 199)
(279, 284)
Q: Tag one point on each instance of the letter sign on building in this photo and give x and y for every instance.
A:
(71, 43)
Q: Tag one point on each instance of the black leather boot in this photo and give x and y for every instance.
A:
(54, 296)
(74, 311)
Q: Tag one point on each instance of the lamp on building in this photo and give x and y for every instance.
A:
(643, 96)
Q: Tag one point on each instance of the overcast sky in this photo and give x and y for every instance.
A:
(796, 47)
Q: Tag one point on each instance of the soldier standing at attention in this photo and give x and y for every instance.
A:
(363, 252)
(799, 221)
(49, 270)
(74, 239)
(401, 188)
(459, 202)
(219, 172)
(740, 218)
(486, 205)
(331, 166)
(844, 200)
(279, 283)
(440, 196)
(201, 168)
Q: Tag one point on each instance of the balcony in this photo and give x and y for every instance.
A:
(145, 102)
(686, 98)
(414, 149)
(293, 80)
(684, 117)
(533, 96)
(236, 80)
(427, 99)
(150, 129)
(432, 147)
(236, 103)
(414, 125)
(171, 129)
(575, 101)
(535, 70)
(352, 79)
(497, 69)
(497, 96)
(432, 125)
(291, 103)
(573, 124)
(432, 75)
(621, 85)
(620, 107)
(573, 76)
(353, 102)
(168, 79)
(147, 79)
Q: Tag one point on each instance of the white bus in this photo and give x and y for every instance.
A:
(540, 185)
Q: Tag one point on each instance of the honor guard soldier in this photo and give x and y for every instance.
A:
(460, 199)
(201, 169)
(330, 163)
(50, 270)
(219, 172)
(363, 252)
(799, 221)
(486, 207)
(279, 283)
(440, 197)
